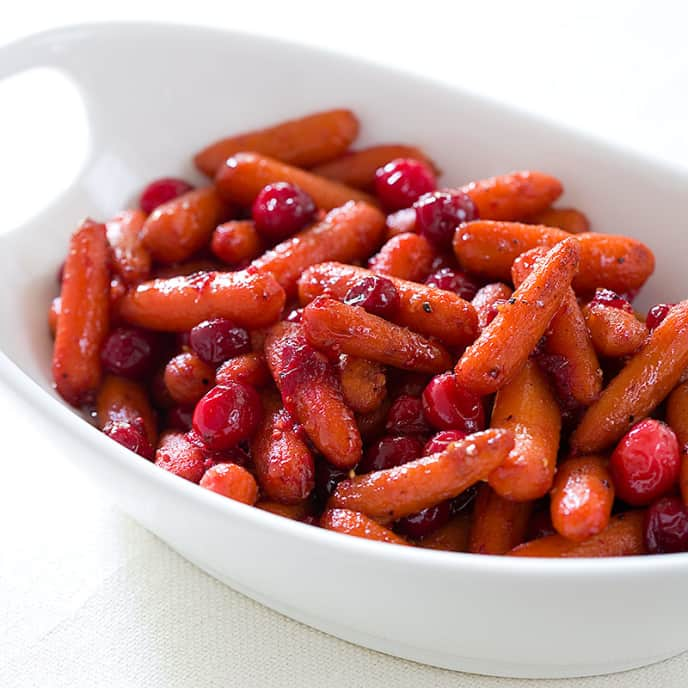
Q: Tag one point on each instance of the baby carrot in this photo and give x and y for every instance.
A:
(122, 400)
(359, 525)
(568, 219)
(406, 256)
(613, 331)
(677, 417)
(130, 258)
(488, 299)
(363, 383)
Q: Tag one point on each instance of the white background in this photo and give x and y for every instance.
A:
(87, 597)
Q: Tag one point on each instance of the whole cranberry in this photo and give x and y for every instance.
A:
(666, 526)
(438, 215)
(227, 414)
(656, 315)
(161, 191)
(216, 340)
(448, 406)
(645, 464)
(132, 436)
(402, 181)
(610, 298)
(405, 417)
(390, 451)
(376, 294)
(129, 351)
(442, 440)
(282, 209)
(426, 521)
(453, 280)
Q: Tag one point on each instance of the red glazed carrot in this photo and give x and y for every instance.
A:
(526, 407)
(391, 494)
(303, 142)
(357, 168)
(177, 304)
(363, 383)
(451, 537)
(251, 369)
(677, 417)
(177, 454)
(406, 256)
(130, 258)
(400, 222)
(236, 241)
(568, 219)
(179, 228)
(295, 512)
(349, 233)
(187, 268)
(488, 299)
(614, 332)
(123, 400)
(241, 178)
(513, 196)
(640, 386)
(54, 314)
(231, 480)
(359, 525)
(84, 315)
(310, 391)
(505, 344)
(336, 328)
(372, 424)
(582, 497)
(283, 463)
(188, 378)
(428, 311)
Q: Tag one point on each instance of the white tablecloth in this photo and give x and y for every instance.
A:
(89, 598)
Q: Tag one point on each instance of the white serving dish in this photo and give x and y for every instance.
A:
(154, 94)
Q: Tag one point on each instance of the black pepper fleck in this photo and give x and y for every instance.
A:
(620, 260)
(427, 307)
(512, 300)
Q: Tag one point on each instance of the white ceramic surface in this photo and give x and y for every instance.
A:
(152, 95)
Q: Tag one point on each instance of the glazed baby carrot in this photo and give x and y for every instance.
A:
(231, 480)
(359, 525)
(130, 258)
(251, 369)
(488, 299)
(303, 142)
(122, 400)
(428, 311)
(241, 178)
(640, 386)
(400, 222)
(567, 340)
(406, 256)
(179, 228)
(505, 344)
(513, 196)
(188, 378)
(177, 304)
(498, 524)
(614, 331)
(568, 219)
(283, 463)
(236, 241)
(451, 537)
(348, 233)
(84, 315)
(295, 512)
(363, 383)
(677, 417)
(393, 493)
(582, 497)
(526, 407)
(54, 314)
(310, 392)
(336, 328)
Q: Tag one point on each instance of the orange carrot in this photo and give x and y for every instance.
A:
(359, 525)
(251, 369)
(451, 537)
(568, 219)
(363, 383)
(236, 241)
(406, 256)
(614, 332)
(188, 378)
(677, 417)
(123, 400)
(130, 258)
(400, 222)
(231, 480)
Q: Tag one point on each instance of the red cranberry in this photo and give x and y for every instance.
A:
(666, 526)
(295, 315)
(129, 351)
(612, 299)
(426, 521)
(438, 215)
(161, 191)
(327, 477)
(656, 315)
(493, 311)
(180, 418)
(646, 462)
(216, 340)
(405, 417)
(442, 440)
(453, 280)
(227, 414)
(132, 436)
(390, 451)
(464, 500)
(376, 294)
(282, 209)
(448, 406)
(399, 183)
(212, 456)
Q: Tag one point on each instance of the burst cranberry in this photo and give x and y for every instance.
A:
(390, 451)
(612, 299)
(453, 280)
(645, 464)
(656, 315)
(161, 191)
(227, 414)
(666, 526)
(179, 418)
(438, 215)
(405, 417)
(282, 209)
(216, 340)
(442, 440)
(212, 456)
(448, 406)
(129, 351)
(132, 436)
(426, 521)
(399, 183)
(376, 294)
